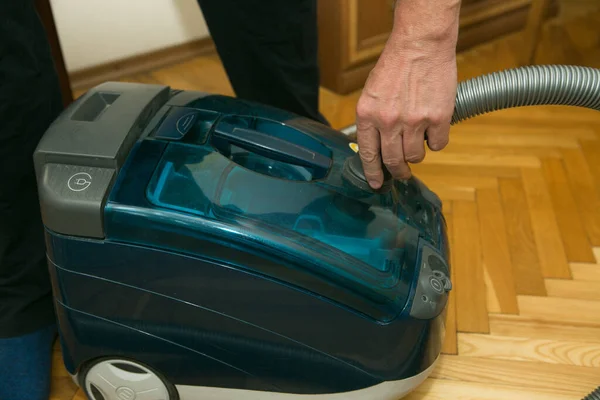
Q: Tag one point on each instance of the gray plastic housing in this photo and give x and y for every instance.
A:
(81, 153)
(433, 286)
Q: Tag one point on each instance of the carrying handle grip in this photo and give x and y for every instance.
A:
(271, 147)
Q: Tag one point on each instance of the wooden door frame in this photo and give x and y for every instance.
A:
(533, 30)
(44, 10)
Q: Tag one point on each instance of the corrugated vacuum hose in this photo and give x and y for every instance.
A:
(595, 395)
(530, 86)
(533, 85)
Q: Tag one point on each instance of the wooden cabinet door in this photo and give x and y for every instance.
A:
(352, 33)
(370, 23)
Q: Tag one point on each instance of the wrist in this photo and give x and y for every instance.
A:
(425, 25)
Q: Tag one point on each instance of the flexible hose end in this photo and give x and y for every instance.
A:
(595, 395)
(534, 85)
(565, 85)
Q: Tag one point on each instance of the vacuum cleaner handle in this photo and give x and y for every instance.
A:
(271, 147)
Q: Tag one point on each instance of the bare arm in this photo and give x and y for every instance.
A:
(411, 90)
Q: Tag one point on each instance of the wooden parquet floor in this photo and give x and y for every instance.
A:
(521, 191)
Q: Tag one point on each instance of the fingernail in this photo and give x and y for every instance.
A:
(374, 184)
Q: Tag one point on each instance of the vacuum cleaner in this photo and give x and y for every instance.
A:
(205, 247)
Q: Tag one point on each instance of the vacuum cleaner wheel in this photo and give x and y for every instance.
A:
(120, 379)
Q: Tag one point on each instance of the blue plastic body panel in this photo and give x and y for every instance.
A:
(203, 323)
(235, 256)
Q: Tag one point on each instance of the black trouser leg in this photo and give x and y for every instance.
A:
(30, 99)
(270, 50)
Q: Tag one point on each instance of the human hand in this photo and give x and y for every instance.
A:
(409, 93)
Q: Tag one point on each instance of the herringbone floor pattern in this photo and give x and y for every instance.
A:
(521, 191)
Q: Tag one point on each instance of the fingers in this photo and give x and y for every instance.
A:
(438, 135)
(369, 150)
(393, 155)
(392, 129)
(413, 141)
(397, 146)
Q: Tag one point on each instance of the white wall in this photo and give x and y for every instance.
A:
(94, 32)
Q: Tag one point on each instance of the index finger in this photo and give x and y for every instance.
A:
(369, 150)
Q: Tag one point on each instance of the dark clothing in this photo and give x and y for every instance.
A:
(269, 50)
(30, 99)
